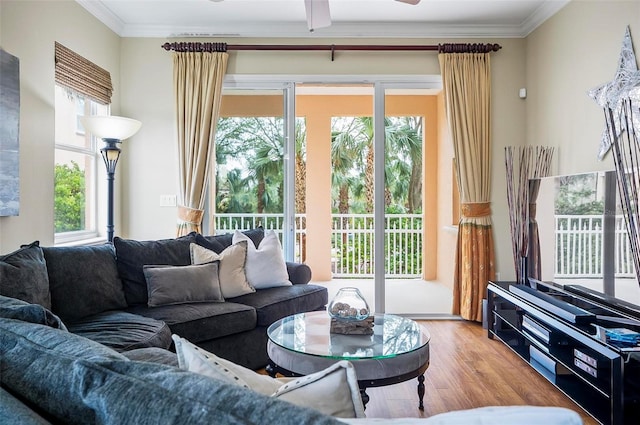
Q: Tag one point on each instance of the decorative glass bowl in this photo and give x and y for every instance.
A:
(348, 304)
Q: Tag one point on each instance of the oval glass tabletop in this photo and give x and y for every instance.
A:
(309, 333)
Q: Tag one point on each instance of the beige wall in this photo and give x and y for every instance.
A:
(28, 30)
(574, 51)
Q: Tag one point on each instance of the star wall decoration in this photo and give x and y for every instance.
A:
(615, 94)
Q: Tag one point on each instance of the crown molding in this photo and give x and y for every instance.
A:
(336, 30)
(104, 15)
(544, 12)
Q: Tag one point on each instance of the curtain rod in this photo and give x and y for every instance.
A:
(440, 48)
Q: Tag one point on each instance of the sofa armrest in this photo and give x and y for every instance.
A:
(299, 273)
(14, 411)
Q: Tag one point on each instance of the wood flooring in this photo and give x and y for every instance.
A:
(467, 370)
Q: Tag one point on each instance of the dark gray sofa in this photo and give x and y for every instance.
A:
(100, 293)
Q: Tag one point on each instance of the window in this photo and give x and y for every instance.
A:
(76, 160)
(82, 88)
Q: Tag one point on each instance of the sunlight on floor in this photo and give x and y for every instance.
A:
(407, 297)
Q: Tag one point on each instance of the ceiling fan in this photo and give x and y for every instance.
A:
(318, 15)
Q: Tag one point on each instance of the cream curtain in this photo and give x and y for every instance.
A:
(466, 81)
(197, 81)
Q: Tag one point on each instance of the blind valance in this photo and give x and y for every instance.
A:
(82, 75)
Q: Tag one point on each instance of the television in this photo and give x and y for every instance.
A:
(578, 239)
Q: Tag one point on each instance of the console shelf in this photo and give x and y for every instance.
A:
(554, 332)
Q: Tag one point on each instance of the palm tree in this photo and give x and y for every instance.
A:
(404, 152)
(301, 167)
(403, 165)
(345, 156)
(233, 195)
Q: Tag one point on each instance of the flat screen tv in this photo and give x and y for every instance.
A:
(582, 240)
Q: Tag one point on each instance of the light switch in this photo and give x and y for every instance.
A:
(167, 200)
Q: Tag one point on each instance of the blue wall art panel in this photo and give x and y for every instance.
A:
(9, 134)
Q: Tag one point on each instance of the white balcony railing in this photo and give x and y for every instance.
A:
(579, 247)
(351, 241)
(578, 243)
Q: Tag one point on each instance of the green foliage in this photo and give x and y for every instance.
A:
(249, 152)
(249, 175)
(69, 198)
(352, 138)
(578, 195)
(403, 245)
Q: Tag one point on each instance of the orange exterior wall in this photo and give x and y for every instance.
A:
(318, 111)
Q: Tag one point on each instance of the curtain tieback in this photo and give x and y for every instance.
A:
(476, 209)
(190, 215)
(532, 210)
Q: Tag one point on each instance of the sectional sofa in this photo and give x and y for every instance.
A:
(102, 293)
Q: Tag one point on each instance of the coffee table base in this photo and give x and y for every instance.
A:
(273, 369)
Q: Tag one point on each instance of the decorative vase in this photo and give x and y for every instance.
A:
(348, 304)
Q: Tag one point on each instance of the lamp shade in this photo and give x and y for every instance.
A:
(110, 127)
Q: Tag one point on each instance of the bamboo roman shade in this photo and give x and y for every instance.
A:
(85, 77)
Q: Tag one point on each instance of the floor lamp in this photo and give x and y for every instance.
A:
(112, 130)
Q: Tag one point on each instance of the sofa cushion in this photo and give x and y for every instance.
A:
(275, 303)
(83, 281)
(132, 255)
(202, 321)
(153, 355)
(123, 331)
(37, 365)
(218, 243)
(147, 393)
(182, 284)
(23, 275)
(13, 308)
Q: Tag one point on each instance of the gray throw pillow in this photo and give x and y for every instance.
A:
(182, 284)
(23, 275)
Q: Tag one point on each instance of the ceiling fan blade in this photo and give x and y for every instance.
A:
(318, 15)
(413, 2)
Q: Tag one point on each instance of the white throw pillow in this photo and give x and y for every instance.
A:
(333, 391)
(265, 266)
(232, 276)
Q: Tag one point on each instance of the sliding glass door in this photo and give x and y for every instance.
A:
(339, 168)
(253, 185)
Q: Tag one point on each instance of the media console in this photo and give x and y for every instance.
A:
(563, 336)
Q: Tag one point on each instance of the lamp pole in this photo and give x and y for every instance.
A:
(112, 130)
(110, 154)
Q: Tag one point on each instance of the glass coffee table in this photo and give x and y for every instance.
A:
(397, 351)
